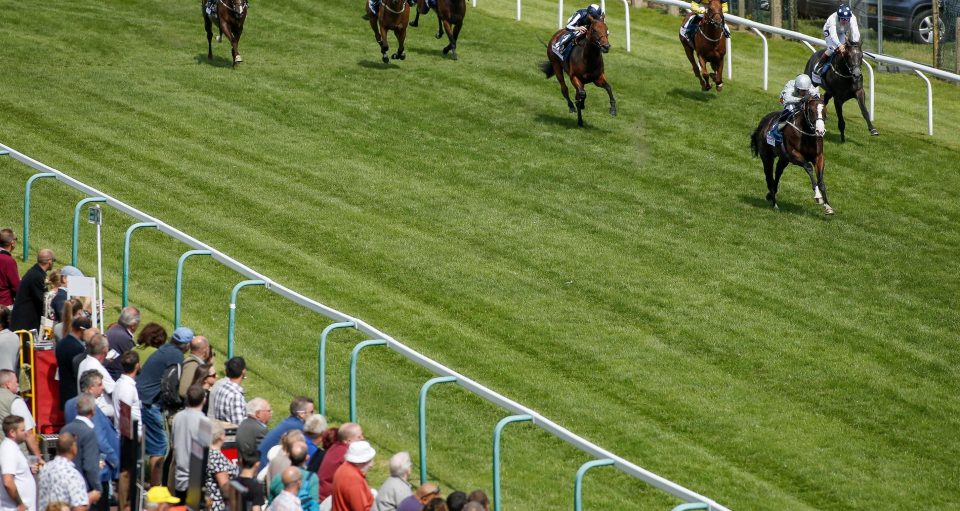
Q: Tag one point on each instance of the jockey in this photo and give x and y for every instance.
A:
(576, 27)
(375, 7)
(794, 92)
(840, 28)
(690, 27)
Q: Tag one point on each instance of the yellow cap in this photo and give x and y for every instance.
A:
(161, 494)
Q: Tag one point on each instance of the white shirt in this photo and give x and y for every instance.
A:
(787, 97)
(19, 407)
(105, 401)
(12, 461)
(838, 33)
(126, 391)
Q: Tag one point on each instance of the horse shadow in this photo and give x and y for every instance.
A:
(760, 202)
(701, 96)
(217, 61)
(567, 121)
(377, 64)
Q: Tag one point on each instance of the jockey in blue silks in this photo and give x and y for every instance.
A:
(375, 6)
(793, 94)
(576, 27)
(840, 28)
(688, 29)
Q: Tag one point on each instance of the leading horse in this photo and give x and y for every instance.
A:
(802, 146)
(392, 15)
(230, 15)
(585, 65)
(843, 81)
(709, 45)
(450, 15)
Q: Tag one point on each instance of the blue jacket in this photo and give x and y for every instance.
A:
(107, 438)
(273, 437)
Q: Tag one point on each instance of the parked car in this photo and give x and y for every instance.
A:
(906, 19)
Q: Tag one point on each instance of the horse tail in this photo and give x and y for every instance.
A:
(547, 68)
(755, 138)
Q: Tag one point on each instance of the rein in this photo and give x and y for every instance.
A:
(705, 36)
(806, 122)
(386, 5)
(243, 7)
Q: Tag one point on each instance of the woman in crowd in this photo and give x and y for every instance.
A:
(151, 337)
(219, 470)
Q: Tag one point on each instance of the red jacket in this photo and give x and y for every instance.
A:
(9, 278)
(328, 467)
(350, 490)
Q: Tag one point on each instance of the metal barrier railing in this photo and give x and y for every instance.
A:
(378, 338)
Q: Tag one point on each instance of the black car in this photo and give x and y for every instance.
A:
(907, 19)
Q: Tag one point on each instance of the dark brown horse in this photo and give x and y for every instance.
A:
(585, 65)
(230, 15)
(709, 45)
(802, 146)
(843, 81)
(392, 15)
(450, 15)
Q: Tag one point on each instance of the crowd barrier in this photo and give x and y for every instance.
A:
(520, 413)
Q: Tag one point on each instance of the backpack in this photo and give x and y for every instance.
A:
(169, 397)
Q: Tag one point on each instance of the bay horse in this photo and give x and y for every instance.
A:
(230, 15)
(843, 81)
(802, 146)
(392, 15)
(585, 65)
(709, 45)
(450, 15)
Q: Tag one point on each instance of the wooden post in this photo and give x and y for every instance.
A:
(937, 56)
(956, 48)
(776, 13)
(792, 7)
(673, 10)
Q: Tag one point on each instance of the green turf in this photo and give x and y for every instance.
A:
(626, 280)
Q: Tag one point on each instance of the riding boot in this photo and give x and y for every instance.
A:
(818, 67)
(726, 31)
(692, 26)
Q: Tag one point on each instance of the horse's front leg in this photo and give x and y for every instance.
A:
(841, 124)
(822, 184)
(384, 47)
(581, 98)
(439, 33)
(225, 28)
(451, 46)
(866, 115)
(401, 34)
(704, 73)
(605, 85)
(208, 26)
(374, 26)
(693, 63)
(718, 73)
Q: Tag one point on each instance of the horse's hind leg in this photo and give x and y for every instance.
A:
(605, 85)
(778, 172)
(866, 115)
(581, 98)
(439, 33)
(374, 26)
(693, 62)
(451, 46)
(558, 72)
(208, 26)
(841, 124)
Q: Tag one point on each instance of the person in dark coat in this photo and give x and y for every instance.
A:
(87, 460)
(67, 349)
(28, 304)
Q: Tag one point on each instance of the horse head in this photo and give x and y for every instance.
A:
(237, 7)
(852, 57)
(598, 34)
(814, 115)
(714, 14)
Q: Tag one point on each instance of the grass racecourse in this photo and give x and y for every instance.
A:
(627, 280)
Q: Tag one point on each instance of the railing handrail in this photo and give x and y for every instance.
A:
(427, 363)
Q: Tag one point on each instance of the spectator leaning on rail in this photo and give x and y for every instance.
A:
(148, 388)
(87, 460)
(349, 433)
(300, 408)
(840, 28)
(28, 304)
(19, 487)
(230, 405)
(252, 430)
(60, 481)
(9, 342)
(287, 500)
(108, 440)
(97, 350)
(120, 339)
(397, 486)
(67, 349)
(9, 274)
(12, 404)
(351, 492)
(186, 423)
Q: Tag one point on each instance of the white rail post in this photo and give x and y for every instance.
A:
(765, 55)
(559, 14)
(729, 59)
(812, 49)
(870, 69)
(518, 10)
(474, 3)
(929, 102)
(626, 12)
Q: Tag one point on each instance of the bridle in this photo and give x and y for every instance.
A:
(238, 11)
(846, 64)
(386, 5)
(807, 122)
(715, 19)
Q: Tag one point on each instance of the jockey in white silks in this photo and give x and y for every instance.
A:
(793, 94)
(840, 28)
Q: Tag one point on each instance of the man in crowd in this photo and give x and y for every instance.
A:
(97, 350)
(12, 404)
(252, 430)
(19, 488)
(148, 388)
(309, 489)
(229, 404)
(67, 349)
(287, 500)
(351, 492)
(9, 342)
(254, 497)
(397, 486)
(186, 423)
(60, 481)
(126, 392)
(300, 408)
(480, 497)
(348, 433)
(120, 338)
(28, 304)
(9, 274)
(425, 493)
(87, 459)
(199, 355)
(108, 440)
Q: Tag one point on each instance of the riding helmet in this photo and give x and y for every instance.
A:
(802, 82)
(844, 12)
(595, 11)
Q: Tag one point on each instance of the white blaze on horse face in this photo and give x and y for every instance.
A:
(819, 125)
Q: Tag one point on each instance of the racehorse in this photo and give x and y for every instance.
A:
(230, 15)
(585, 65)
(392, 15)
(803, 146)
(450, 15)
(843, 81)
(709, 44)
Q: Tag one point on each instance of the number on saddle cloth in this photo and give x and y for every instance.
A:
(564, 46)
(374, 6)
(690, 28)
(211, 8)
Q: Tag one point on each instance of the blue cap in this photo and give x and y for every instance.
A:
(844, 12)
(70, 271)
(182, 335)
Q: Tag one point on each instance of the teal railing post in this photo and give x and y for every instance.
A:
(354, 355)
(691, 506)
(26, 208)
(322, 363)
(126, 257)
(578, 482)
(423, 421)
(179, 286)
(76, 225)
(496, 453)
(231, 326)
